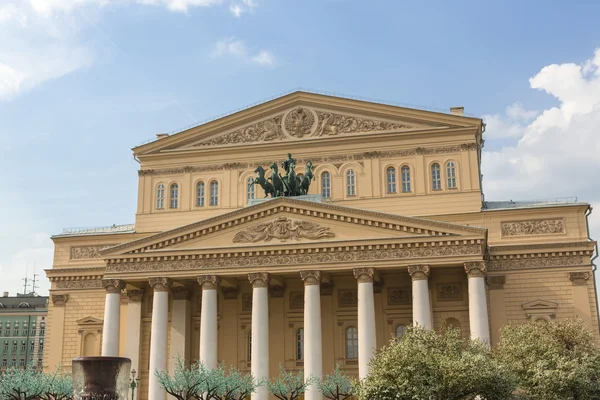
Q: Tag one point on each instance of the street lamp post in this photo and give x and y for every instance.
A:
(134, 383)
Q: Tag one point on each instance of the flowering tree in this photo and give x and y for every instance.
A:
(185, 384)
(336, 386)
(423, 364)
(57, 386)
(22, 384)
(237, 386)
(288, 386)
(552, 360)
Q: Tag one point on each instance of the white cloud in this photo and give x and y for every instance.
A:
(10, 13)
(556, 154)
(236, 10)
(181, 5)
(237, 48)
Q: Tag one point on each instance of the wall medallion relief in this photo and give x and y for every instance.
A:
(452, 291)
(534, 227)
(296, 300)
(300, 122)
(347, 298)
(283, 229)
(398, 296)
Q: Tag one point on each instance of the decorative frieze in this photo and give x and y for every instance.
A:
(579, 278)
(113, 285)
(208, 282)
(283, 229)
(267, 130)
(296, 300)
(258, 280)
(160, 284)
(83, 283)
(475, 269)
(533, 227)
(418, 272)
(332, 124)
(449, 291)
(333, 255)
(347, 298)
(496, 282)
(88, 252)
(311, 277)
(357, 157)
(59, 300)
(531, 261)
(399, 296)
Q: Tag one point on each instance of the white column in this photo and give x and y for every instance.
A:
(260, 332)
(420, 296)
(158, 336)
(112, 317)
(478, 312)
(313, 349)
(367, 339)
(181, 315)
(133, 329)
(208, 321)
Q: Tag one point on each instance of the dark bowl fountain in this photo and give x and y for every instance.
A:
(101, 378)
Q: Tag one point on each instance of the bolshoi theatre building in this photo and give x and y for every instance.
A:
(387, 227)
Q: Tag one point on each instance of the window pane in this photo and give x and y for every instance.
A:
(351, 343)
(200, 194)
(250, 189)
(174, 195)
(405, 179)
(451, 174)
(326, 184)
(391, 180)
(436, 180)
(400, 329)
(214, 193)
(350, 183)
(300, 344)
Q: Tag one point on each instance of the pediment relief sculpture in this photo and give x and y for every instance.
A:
(283, 229)
(302, 122)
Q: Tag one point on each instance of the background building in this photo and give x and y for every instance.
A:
(395, 230)
(22, 330)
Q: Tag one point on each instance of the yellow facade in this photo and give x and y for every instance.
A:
(537, 255)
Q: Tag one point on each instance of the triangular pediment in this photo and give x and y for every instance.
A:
(302, 116)
(540, 305)
(89, 321)
(291, 222)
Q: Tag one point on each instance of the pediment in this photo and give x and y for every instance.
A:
(540, 305)
(292, 222)
(89, 321)
(302, 116)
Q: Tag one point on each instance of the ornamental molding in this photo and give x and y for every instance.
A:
(496, 282)
(540, 309)
(419, 272)
(208, 282)
(364, 275)
(356, 157)
(539, 260)
(294, 206)
(88, 252)
(283, 229)
(537, 246)
(259, 279)
(161, 284)
(475, 269)
(59, 300)
(533, 227)
(307, 257)
(579, 278)
(311, 277)
(85, 282)
(113, 285)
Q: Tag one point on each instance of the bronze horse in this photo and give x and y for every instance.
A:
(263, 182)
(278, 183)
(306, 179)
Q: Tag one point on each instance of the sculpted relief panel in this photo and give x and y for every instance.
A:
(283, 229)
(88, 252)
(535, 227)
(302, 122)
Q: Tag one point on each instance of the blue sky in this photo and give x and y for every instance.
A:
(84, 81)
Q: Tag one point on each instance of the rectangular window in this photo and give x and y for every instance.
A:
(405, 179)
(22, 362)
(13, 362)
(42, 329)
(41, 348)
(350, 183)
(6, 345)
(14, 348)
(214, 193)
(436, 179)
(23, 345)
(4, 362)
(32, 346)
(40, 362)
(33, 330)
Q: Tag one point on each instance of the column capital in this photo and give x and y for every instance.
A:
(475, 269)
(419, 272)
(311, 277)
(135, 295)
(579, 278)
(59, 300)
(208, 282)
(496, 282)
(113, 285)
(259, 279)
(160, 284)
(364, 275)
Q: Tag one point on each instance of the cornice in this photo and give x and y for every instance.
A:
(369, 155)
(293, 206)
(536, 246)
(55, 272)
(539, 260)
(327, 255)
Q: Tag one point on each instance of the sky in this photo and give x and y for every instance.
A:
(84, 81)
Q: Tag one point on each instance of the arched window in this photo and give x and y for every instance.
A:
(351, 343)
(391, 180)
(400, 329)
(249, 346)
(405, 171)
(350, 183)
(300, 344)
(451, 174)
(160, 196)
(214, 193)
(326, 184)
(436, 179)
(200, 194)
(250, 189)
(174, 195)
